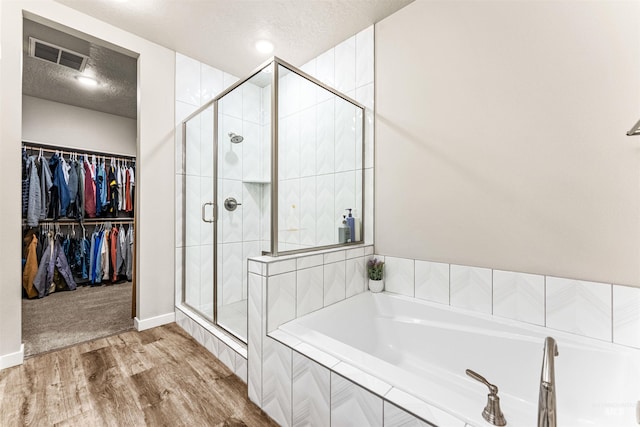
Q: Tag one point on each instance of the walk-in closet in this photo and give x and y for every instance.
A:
(79, 144)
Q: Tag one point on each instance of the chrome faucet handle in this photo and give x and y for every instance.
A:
(491, 412)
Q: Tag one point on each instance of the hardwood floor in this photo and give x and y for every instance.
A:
(158, 377)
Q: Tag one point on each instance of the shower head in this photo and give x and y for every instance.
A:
(235, 139)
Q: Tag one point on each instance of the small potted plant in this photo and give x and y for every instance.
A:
(375, 270)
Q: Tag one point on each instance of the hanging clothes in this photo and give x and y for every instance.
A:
(103, 188)
(114, 253)
(59, 191)
(31, 265)
(132, 183)
(92, 258)
(46, 182)
(120, 180)
(81, 194)
(127, 191)
(25, 182)
(113, 191)
(99, 179)
(105, 256)
(122, 251)
(34, 205)
(129, 256)
(89, 190)
(74, 201)
(86, 247)
(97, 260)
(53, 261)
(65, 169)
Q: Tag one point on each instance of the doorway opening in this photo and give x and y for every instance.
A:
(79, 134)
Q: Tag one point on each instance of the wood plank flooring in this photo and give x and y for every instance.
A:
(158, 377)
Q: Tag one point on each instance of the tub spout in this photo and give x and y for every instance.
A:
(547, 400)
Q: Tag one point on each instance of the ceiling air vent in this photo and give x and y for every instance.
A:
(56, 54)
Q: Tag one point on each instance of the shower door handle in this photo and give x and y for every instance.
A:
(204, 212)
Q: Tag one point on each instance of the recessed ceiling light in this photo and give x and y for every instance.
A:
(87, 81)
(264, 46)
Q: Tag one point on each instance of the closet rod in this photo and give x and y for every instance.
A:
(33, 145)
(86, 222)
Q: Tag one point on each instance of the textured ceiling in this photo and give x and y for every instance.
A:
(115, 72)
(222, 33)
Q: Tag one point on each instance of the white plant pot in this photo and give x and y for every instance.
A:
(376, 285)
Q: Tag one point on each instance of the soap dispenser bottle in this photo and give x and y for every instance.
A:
(357, 236)
(351, 224)
(344, 232)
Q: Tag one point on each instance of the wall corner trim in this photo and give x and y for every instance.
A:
(12, 359)
(152, 322)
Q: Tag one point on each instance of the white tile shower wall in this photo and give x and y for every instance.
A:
(596, 310)
(318, 141)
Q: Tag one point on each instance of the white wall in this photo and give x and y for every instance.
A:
(155, 153)
(500, 136)
(65, 125)
(10, 88)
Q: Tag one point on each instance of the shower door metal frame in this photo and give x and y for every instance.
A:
(276, 62)
(214, 221)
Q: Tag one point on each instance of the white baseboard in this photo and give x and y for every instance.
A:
(12, 359)
(152, 322)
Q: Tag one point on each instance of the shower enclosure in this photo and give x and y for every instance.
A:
(272, 165)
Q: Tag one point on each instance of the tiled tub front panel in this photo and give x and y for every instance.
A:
(282, 289)
(315, 389)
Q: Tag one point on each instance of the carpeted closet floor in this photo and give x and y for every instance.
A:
(66, 318)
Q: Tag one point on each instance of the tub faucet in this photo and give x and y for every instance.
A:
(491, 412)
(547, 399)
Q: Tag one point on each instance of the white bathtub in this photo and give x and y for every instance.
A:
(424, 348)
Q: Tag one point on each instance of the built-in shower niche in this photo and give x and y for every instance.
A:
(277, 145)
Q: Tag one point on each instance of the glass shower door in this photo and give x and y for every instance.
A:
(199, 213)
(243, 184)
